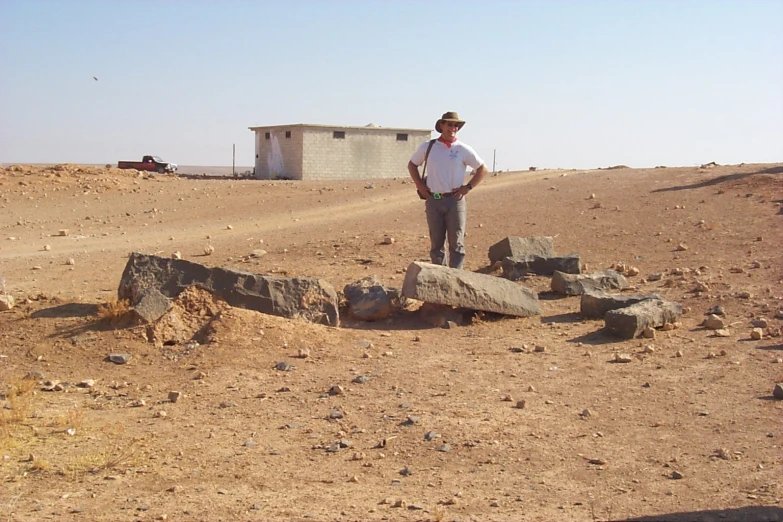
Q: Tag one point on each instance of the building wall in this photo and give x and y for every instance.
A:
(279, 156)
(362, 154)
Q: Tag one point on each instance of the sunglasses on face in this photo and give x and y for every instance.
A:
(451, 124)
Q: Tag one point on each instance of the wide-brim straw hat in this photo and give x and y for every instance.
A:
(449, 116)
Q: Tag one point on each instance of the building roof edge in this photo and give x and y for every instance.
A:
(336, 127)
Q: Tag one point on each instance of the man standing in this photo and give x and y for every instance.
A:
(444, 188)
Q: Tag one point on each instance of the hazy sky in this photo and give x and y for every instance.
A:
(572, 84)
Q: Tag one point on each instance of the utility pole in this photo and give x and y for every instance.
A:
(234, 159)
(493, 160)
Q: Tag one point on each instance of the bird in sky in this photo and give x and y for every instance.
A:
(95, 78)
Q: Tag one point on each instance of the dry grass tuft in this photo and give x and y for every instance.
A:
(113, 310)
(118, 451)
(73, 418)
(40, 464)
(439, 514)
(19, 394)
(6, 433)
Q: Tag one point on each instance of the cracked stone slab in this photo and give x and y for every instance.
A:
(513, 246)
(595, 304)
(515, 268)
(631, 321)
(310, 298)
(578, 284)
(152, 305)
(460, 288)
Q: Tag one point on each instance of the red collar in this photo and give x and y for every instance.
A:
(447, 143)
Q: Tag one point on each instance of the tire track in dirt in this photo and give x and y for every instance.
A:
(399, 198)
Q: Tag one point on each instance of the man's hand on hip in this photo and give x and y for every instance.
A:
(424, 190)
(461, 192)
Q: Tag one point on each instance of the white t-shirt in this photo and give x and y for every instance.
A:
(446, 165)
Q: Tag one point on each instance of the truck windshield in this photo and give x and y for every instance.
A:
(157, 159)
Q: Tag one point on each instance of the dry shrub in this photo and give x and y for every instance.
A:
(73, 418)
(439, 514)
(117, 452)
(113, 310)
(40, 464)
(20, 394)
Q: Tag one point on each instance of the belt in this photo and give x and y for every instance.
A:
(441, 195)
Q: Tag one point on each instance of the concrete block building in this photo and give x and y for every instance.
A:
(303, 151)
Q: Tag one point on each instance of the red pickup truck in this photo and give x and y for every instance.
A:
(150, 163)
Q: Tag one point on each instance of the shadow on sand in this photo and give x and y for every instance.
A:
(83, 331)
(571, 317)
(412, 320)
(66, 310)
(228, 177)
(770, 347)
(721, 179)
(745, 514)
(597, 338)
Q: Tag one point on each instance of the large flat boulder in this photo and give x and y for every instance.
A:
(310, 298)
(515, 268)
(513, 246)
(450, 286)
(630, 322)
(595, 303)
(578, 284)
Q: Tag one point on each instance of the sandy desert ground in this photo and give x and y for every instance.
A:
(182, 170)
(689, 430)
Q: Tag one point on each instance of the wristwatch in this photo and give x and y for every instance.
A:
(470, 187)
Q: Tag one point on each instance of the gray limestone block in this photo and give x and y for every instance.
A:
(460, 288)
(630, 322)
(596, 303)
(515, 268)
(513, 246)
(578, 284)
(310, 298)
(152, 305)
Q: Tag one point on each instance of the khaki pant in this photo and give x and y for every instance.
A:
(446, 219)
